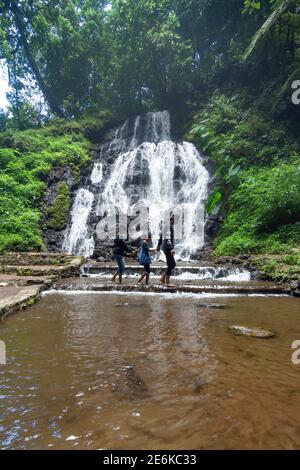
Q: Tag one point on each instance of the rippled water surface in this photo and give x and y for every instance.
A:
(110, 371)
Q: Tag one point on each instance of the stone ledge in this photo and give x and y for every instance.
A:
(199, 289)
(40, 264)
(14, 298)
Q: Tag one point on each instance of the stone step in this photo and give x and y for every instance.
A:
(242, 289)
(157, 269)
(14, 298)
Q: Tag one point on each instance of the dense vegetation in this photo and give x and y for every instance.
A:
(257, 177)
(128, 55)
(27, 157)
(225, 68)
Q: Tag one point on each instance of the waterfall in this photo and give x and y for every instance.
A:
(76, 238)
(141, 164)
(97, 173)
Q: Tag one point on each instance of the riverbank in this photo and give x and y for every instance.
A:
(23, 276)
(267, 267)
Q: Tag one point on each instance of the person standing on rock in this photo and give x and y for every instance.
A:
(167, 246)
(145, 259)
(119, 250)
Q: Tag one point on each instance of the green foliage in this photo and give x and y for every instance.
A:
(238, 137)
(279, 10)
(258, 173)
(263, 212)
(268, 198)
(78, 56)
(59, 211)
(279, 266)
(19, 228)
(212, 201)
(26, 158)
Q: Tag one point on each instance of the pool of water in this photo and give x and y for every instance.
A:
(105, 371)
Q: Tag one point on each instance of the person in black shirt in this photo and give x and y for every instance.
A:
(119, 250)
(167, 245)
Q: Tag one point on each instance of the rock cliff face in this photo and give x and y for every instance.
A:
(53, 237)
(136, 163)
(54, 234)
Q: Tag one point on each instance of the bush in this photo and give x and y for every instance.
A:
(263, 212)
(269, 197)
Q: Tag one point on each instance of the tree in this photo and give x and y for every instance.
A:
(16, 16)
(58, 43)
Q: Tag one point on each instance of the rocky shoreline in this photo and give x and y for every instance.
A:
(24, 276)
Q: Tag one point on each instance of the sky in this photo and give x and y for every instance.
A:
(3, 86)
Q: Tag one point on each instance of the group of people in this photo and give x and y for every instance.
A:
(165, 244)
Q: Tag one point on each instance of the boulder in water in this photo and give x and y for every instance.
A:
(214, 306)
(127, 305)
(199, 385)
(295, 285)
(127, 383)
(252, 332)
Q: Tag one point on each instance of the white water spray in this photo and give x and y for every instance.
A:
(76, 237)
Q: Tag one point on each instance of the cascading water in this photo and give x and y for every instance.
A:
(141, 164)
(76, 238)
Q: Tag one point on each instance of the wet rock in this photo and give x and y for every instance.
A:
(236, 261)
(127, 305)
(251, 267)
(127, 383)
(295, 285)
(199, 385)
(53, 238)
(296, 293)
(214, 306)
(212, 227)
(15, 298)
(244, 257)
(252, 332)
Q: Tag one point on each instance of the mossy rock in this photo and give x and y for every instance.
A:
(58, 213)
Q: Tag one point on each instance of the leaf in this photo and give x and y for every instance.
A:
(233, 171)
(213, 200)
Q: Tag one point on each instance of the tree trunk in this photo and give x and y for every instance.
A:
(268, 24)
